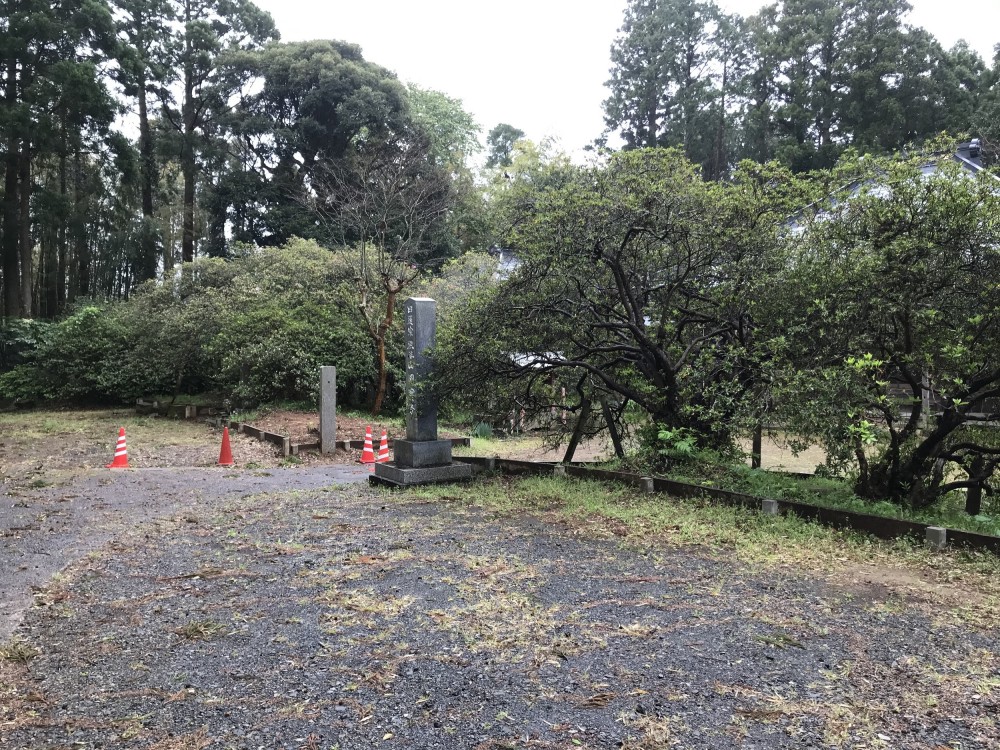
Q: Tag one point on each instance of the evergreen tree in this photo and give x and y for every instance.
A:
(52, 100)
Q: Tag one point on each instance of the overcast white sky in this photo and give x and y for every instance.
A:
(538, 64)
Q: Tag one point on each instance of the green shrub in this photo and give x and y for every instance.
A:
(483, 430)
(77, 359)
(256, 328)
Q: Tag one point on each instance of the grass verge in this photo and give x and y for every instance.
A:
(786, 542)
(828, 493)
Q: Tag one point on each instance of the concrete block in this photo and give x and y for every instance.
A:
(396, 476)
(415, 454)
(559, 470)
(769, 507)
(647, 485)
(937, 537)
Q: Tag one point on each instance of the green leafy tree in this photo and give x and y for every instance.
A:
(53, 100)
(315, 99)
(389, 197)
(145, 48)
(626, 294)
(209, 29)
(453, 137)
(897, 284)
(500, 144)
(672, 69)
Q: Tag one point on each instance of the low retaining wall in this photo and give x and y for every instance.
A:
(878, 526)
(177, 411)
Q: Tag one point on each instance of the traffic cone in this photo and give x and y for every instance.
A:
(226, 454)
(383, 449)
(368, 454)
(121, 452)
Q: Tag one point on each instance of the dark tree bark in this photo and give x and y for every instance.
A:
(11, 236)
(612, 424)
(757, 450)
(147, 269)
(581, 425)
(25, 242)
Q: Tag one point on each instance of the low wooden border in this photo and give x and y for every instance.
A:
(878, 526)
(288, 448)
(177, 411)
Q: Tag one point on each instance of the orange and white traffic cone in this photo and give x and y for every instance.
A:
(121, 452)
(226, 453)
(383, 449)
(368, 454)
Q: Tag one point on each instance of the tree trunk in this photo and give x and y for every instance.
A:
(577, 436)
(24, 221)
(974, 494)
(188, 166)
(901, 481)
(609, 420)
(757, 449)
(11, 236)
(188, 170)
(383, 376)
(381, 333)
(47, 272)
(81, 250)
(147, 267)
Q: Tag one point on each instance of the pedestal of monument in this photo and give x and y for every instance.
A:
(421, 458)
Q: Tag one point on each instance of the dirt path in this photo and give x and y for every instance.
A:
(43, 530)
(274, 611)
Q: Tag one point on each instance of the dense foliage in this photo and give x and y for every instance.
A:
(706, 309)
(135, 135)
(896, 284)
(635, 286)
(254, 329)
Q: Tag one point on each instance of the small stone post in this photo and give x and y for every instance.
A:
(936, 538)
(328, 409)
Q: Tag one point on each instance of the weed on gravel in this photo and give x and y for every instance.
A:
(784, 542)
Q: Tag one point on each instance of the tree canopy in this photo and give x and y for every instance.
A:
(800, 81)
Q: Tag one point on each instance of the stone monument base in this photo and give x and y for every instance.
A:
(421, 453)
(390, 475)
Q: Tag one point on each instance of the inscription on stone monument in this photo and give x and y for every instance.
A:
(419, 315)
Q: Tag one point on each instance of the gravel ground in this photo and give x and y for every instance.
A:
(301, 609)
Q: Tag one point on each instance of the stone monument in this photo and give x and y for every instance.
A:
(327, 409)
(421, 458)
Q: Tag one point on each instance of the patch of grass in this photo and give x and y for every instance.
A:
(200, 630)
(828, 493)
(615, 511)
(17, 651)
(388, 420)
(657, 732)
(194, 741)
(499, 446)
